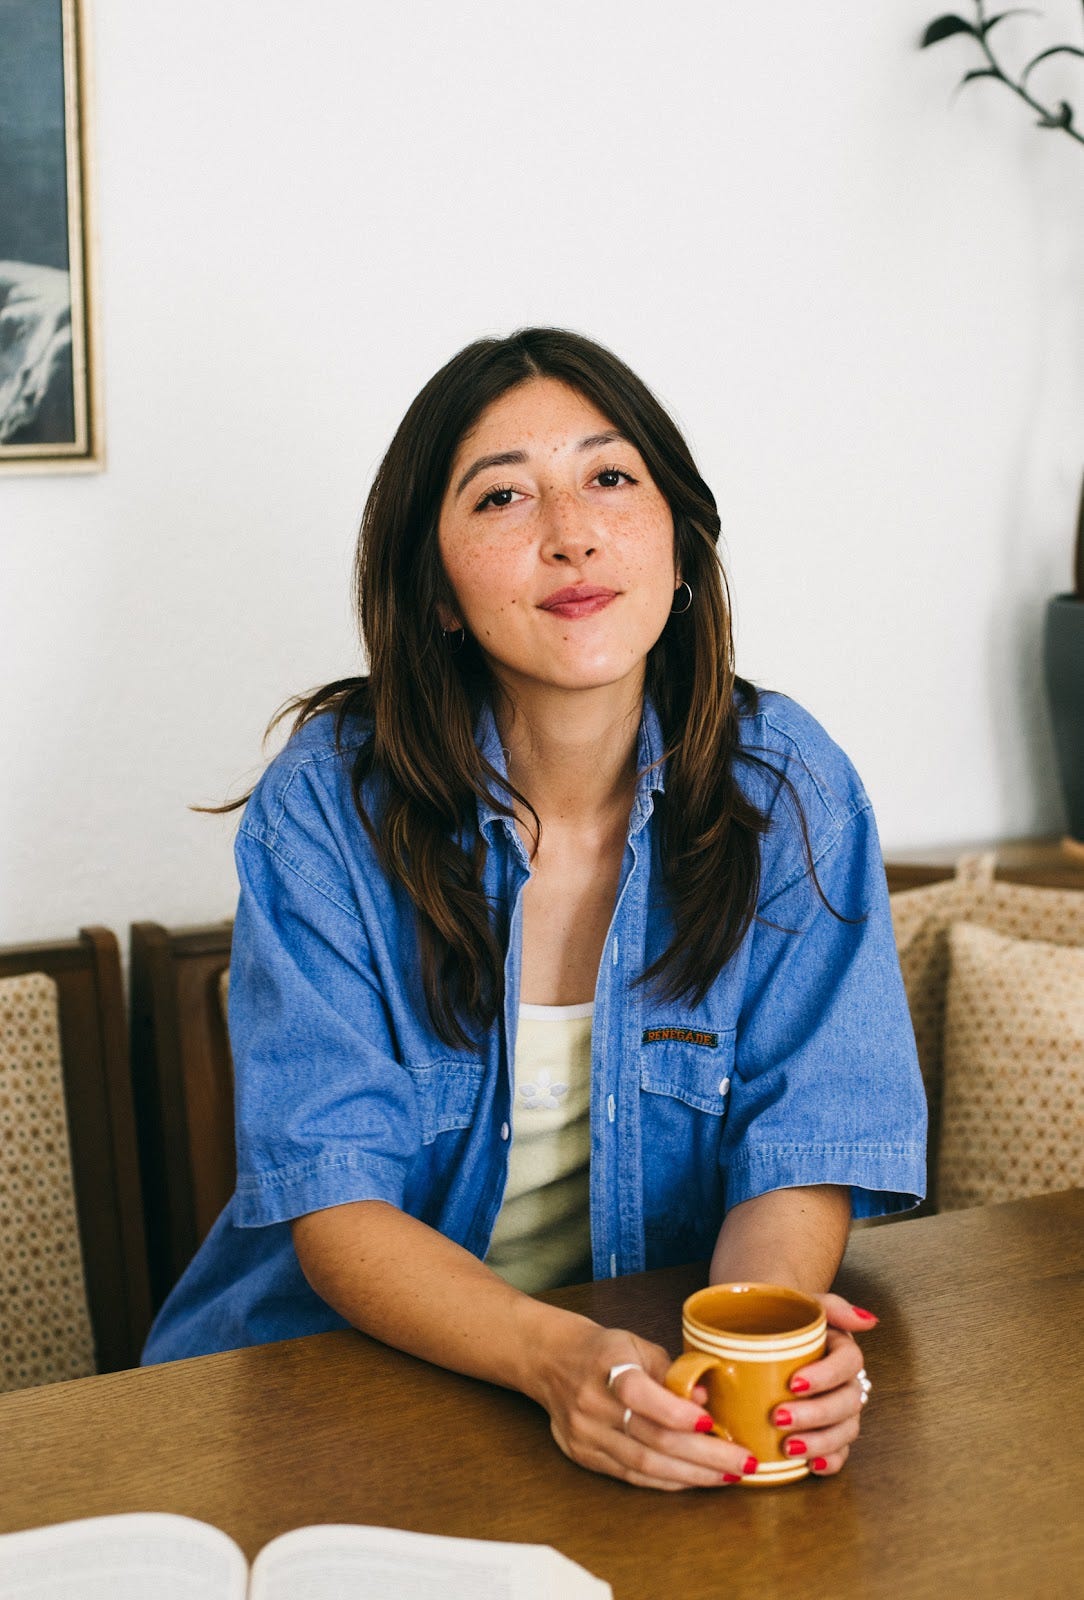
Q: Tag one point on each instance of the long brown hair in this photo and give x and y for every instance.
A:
(418, 778)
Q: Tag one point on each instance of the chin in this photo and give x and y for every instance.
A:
(585, 679)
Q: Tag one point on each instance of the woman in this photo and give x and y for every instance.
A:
(553, 868)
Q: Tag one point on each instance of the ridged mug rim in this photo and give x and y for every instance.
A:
(784, 1341)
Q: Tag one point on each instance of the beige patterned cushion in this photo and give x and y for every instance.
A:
(922, 918)
(45, 1332)
(1013, 1113)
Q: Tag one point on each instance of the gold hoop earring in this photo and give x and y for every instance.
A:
(679, 611)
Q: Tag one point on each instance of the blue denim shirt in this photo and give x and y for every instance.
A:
(799, 1066)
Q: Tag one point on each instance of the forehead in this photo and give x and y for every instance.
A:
(542, 411)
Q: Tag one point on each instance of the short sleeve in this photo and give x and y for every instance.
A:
(325, 1114)
(826, 1087)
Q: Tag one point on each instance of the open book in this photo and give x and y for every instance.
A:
(176, 1558)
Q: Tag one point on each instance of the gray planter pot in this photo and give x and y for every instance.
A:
(1063, 656)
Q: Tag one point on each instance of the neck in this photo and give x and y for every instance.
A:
(573, 756)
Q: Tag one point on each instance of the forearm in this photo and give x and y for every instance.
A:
(791, 1236)
(406, 1284)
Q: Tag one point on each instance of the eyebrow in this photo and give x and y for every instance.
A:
(516, 458)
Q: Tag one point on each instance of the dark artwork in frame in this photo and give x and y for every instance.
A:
(49, 419)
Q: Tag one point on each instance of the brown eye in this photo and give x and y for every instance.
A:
(496, 497)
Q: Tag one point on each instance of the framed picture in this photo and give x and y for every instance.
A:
(50, 416)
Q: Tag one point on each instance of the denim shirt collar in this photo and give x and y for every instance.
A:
(650, 767)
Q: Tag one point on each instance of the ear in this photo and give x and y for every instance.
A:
(447, 618)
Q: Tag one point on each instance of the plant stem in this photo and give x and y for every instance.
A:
(1018, 88)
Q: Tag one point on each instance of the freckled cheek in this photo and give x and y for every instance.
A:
(648, 544)
(489, 581)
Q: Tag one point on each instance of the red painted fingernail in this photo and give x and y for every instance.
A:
(751, 1465)
(868, 1315)
(819, 1464)
(796, 1447)
(703, 1425)
(783, 1418)
(799, 1385)
(731, 1477)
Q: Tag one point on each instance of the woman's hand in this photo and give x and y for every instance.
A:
(823, 1419)
(663, 1441)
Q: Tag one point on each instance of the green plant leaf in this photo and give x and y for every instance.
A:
(1062, 118)
(944, 27)
(1017, 11)
(981, 72)
(1055, 50)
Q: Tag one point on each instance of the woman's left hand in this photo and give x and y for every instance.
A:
(823, 1419)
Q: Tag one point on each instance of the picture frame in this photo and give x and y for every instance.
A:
(50, 400)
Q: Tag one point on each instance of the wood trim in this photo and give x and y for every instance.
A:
(183, 1088)
(1040, 863)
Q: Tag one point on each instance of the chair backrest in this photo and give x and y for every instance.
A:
(74, 997)
(182, 1076)
(1020, 898)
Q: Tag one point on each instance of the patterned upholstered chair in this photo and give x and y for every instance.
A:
(74, 1295)
(994, 972)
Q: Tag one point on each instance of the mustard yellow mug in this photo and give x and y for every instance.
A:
(744, 1342)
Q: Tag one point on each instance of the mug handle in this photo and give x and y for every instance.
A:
(684, 1375)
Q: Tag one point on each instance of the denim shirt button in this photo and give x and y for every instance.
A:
(505, 1131)
(724, 1085)
(611, 1108)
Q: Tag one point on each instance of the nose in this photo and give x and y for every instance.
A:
(570, 537)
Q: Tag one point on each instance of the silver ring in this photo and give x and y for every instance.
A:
(626, 1419)
(622, 1366)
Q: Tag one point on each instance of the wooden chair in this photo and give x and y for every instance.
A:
(80, 998)
(182, 1076)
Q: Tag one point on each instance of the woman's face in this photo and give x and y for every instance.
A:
(557, 544)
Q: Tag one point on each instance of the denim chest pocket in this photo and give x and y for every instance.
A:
(697, 1074)
(446, 1093)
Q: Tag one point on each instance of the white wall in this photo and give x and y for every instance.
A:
(859, 297)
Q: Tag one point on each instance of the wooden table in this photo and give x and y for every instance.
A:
(967, 1478)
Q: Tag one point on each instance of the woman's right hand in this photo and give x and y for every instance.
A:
(664, 1444)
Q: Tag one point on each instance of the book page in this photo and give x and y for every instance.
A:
(341, 1562)
(141, 1556)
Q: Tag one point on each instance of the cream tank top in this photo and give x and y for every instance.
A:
(542, 1236)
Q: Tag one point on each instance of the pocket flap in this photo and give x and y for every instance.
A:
(697, 1074)
(447, 1095)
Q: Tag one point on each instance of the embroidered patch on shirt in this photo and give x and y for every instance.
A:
(709, 1041)
(542, 1093)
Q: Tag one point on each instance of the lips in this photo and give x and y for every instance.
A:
(579, 600)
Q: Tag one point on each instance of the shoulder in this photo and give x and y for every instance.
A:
(782, 734)
(794, 771)
(307, 786)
